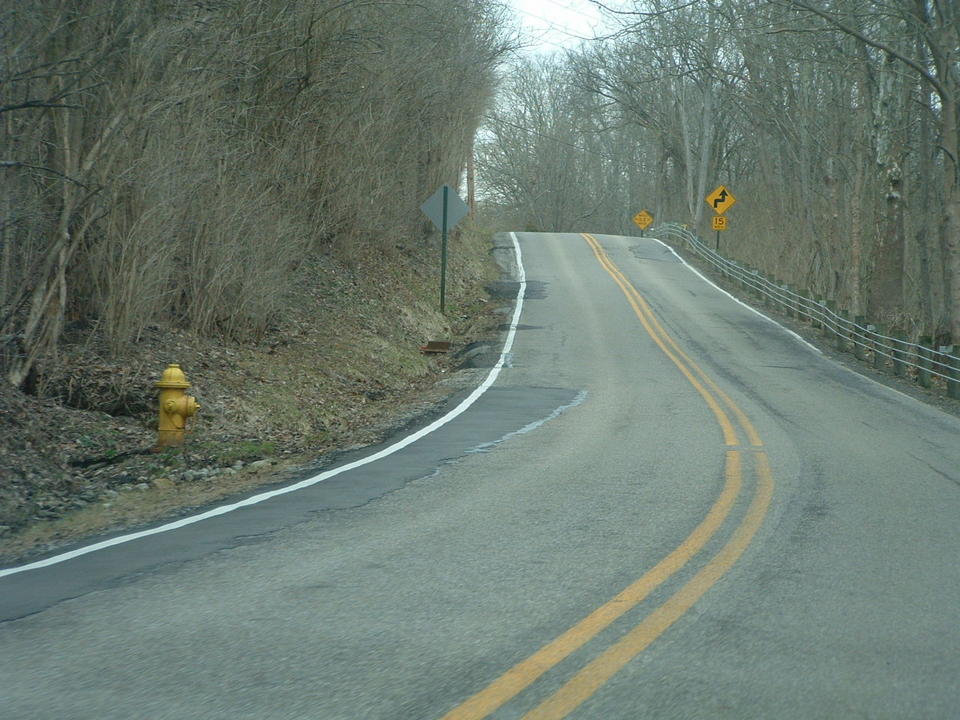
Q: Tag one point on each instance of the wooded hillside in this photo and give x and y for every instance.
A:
(834, 124)
(173, 162)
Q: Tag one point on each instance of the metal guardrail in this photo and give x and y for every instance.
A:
(862, 340)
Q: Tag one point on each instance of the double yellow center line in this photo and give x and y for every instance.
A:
(596, 673)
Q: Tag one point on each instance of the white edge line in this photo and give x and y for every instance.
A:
(792, 333)
(254, 499)
(737, 300)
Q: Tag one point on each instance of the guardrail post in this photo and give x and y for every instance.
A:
(859, 343)
(801, 306)
(875, 331)
(953, 383)
(899, 352)
(817, 320)
(842, 331)
(924, 364)
(829, 322)
(793, 304)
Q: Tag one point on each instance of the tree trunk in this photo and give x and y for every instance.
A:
(48, 304)
(886, 289)
(856, 237)
(706, 152)
(951, 215)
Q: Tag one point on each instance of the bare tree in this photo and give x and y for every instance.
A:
(173, 162)
(924, 37)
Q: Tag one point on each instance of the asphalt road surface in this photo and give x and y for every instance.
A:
(665, 506)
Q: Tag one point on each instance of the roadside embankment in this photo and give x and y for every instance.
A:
(343, 370)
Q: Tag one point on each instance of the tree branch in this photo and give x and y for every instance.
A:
(638, 13)
(892, 52)
(18, 164)
(37, 104)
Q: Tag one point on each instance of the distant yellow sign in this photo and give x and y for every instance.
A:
(643, 219)
(721, 200)
(719, 222)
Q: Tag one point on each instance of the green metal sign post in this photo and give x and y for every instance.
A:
(445, 208)
(443, 250)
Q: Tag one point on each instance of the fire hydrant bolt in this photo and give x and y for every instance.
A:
(175, 406)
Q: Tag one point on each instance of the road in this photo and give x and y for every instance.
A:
(665, 506)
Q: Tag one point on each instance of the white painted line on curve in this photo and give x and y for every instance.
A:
(795, 335)
(737, 300)
(254, 499)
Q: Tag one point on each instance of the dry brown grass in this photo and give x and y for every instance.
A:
(342, 369)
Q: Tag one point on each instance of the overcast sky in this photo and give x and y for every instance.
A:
(552, 24)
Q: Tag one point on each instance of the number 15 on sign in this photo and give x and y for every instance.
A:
(719, 224)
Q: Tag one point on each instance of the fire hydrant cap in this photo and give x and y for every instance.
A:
(172, 377)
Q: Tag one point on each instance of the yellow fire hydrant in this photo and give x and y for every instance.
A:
(175, 406)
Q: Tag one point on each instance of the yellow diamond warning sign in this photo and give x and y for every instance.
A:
(721, 200)
(643, 219)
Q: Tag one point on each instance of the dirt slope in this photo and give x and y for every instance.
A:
(343, 371)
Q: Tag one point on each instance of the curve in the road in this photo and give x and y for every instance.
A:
(366, 460)
(596, 673)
